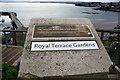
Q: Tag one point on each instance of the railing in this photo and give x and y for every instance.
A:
(13, 37)
(15, 33)
(110, 39)
(110, 31)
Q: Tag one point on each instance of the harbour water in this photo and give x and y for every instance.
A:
(26, 11)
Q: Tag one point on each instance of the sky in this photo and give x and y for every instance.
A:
(69, 0)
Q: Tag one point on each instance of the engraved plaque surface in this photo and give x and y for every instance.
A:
(62, 31)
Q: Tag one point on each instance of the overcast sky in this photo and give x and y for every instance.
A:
(69, 0)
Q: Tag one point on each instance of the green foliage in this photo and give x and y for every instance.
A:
(107, 42)
(111, 50)
(9, 72)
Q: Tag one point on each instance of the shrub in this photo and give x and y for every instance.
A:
(8, 72)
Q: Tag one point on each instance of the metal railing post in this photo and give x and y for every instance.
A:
(117, 56)
(102, 35)
(22, 41)
(6, 39)
(14, 38)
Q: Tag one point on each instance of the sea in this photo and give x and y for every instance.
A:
(27, 11)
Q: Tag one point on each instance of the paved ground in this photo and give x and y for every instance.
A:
(11, 54)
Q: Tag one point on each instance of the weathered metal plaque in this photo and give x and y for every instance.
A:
(62, 31)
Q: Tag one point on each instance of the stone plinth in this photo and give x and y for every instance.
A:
(63, 47)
